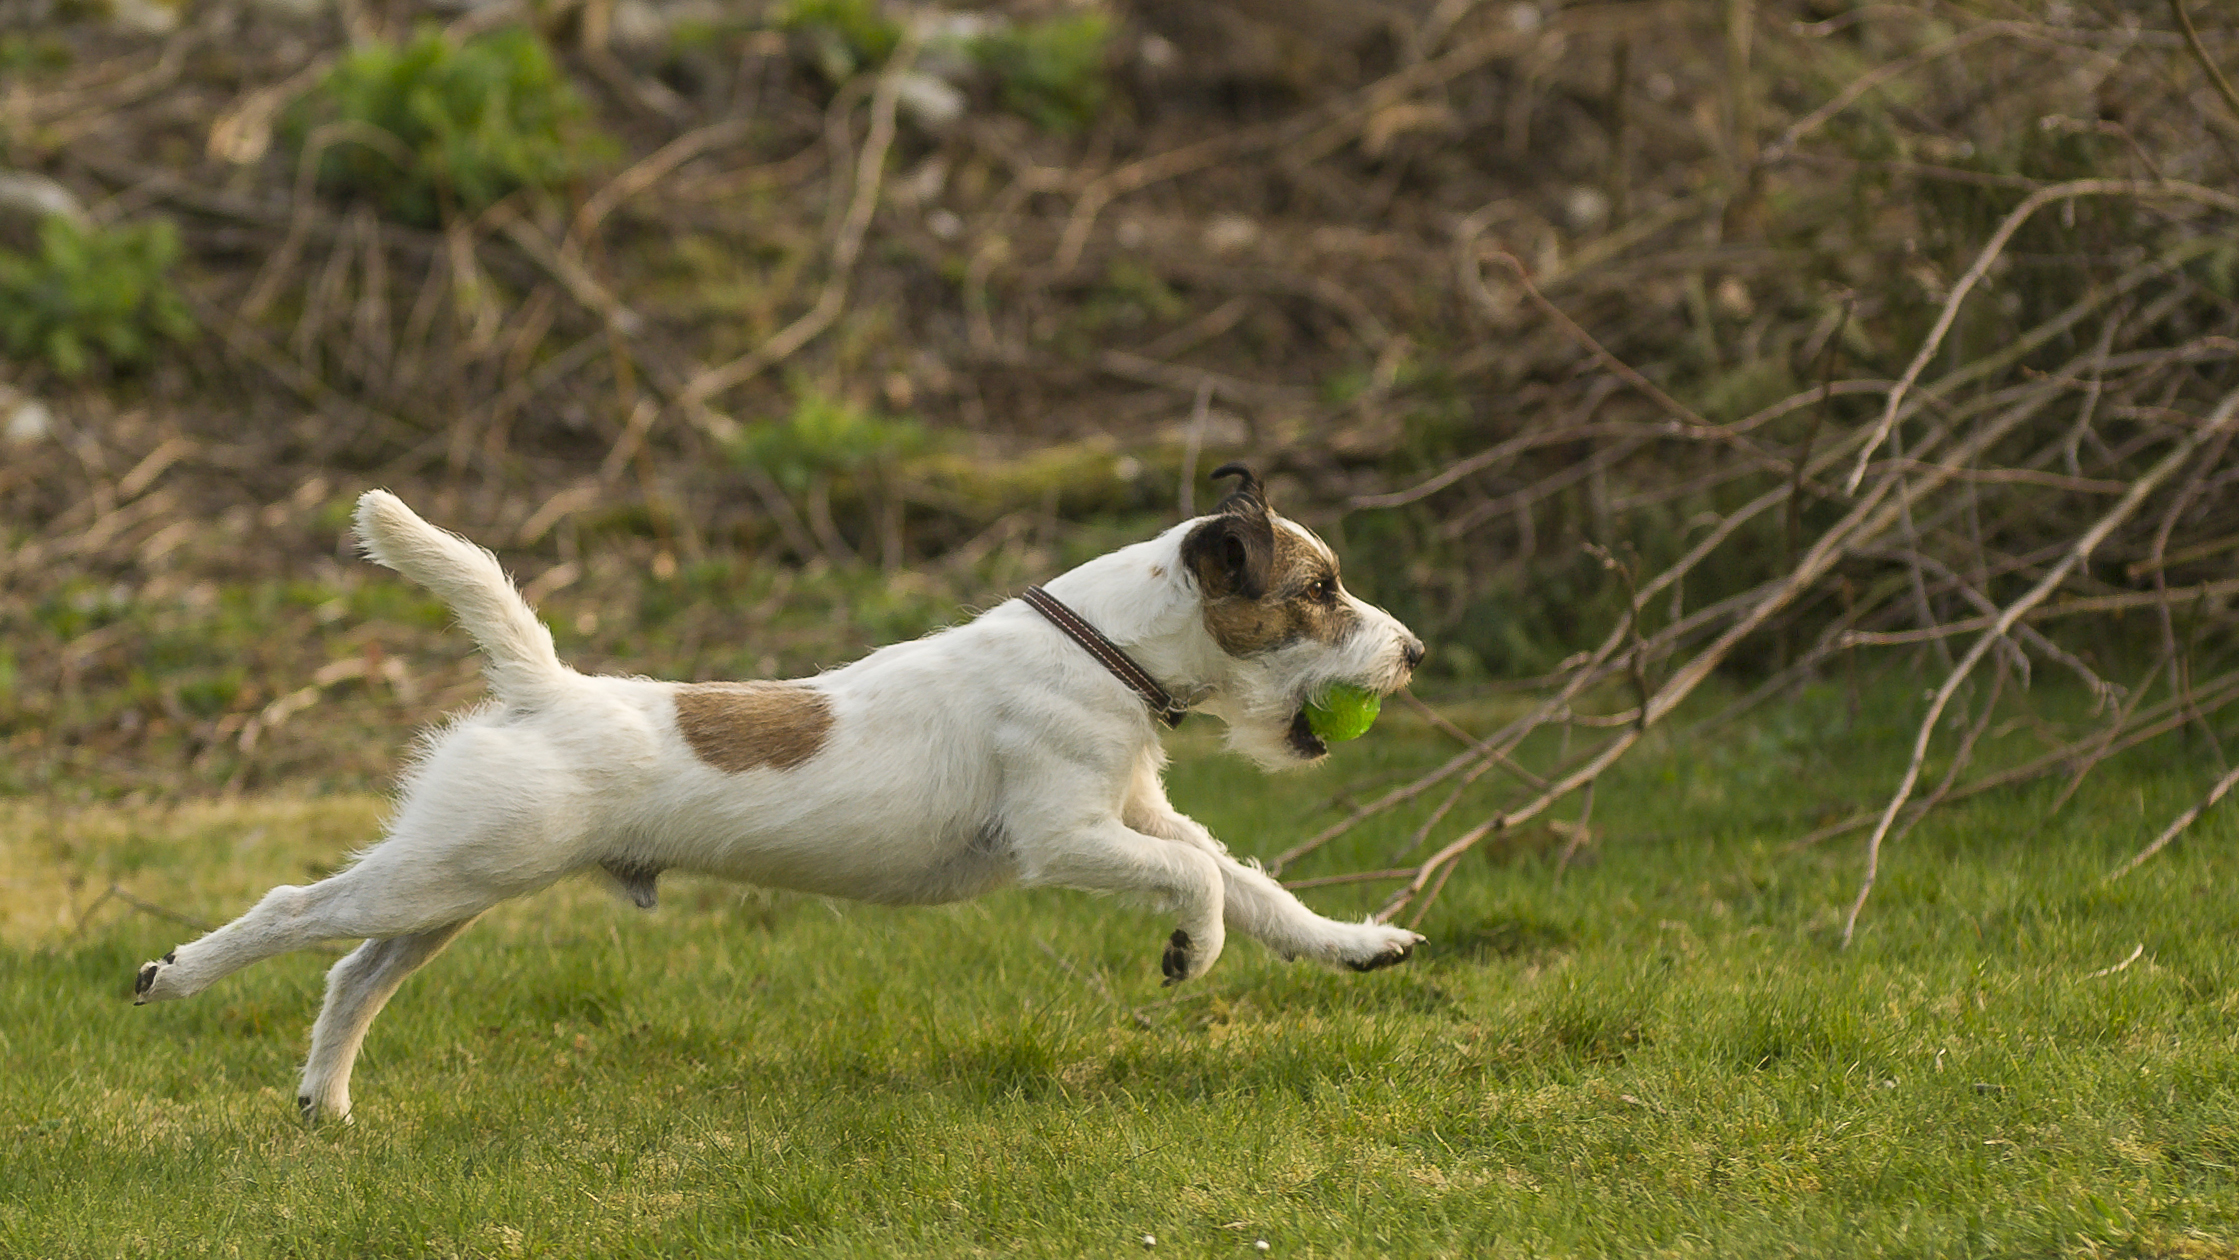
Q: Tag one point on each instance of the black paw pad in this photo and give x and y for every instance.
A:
(1175, 961)
(142, 982)
(170, 957)
(1388, 958)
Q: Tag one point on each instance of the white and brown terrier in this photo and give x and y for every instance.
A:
(1021, 748)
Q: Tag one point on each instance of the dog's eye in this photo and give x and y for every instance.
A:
(1324, 590)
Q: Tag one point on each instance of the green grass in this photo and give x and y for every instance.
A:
(1659, 1051)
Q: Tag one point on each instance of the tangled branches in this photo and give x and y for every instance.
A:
(1977, 489)
(1973, 505)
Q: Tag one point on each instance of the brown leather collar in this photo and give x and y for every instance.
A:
(1165, 707)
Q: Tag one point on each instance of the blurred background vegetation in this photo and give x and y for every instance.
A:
(756, 334)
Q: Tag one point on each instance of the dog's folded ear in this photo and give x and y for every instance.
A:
(1232, 553)
(1248, 495)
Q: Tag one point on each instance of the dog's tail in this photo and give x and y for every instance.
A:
(523, 668)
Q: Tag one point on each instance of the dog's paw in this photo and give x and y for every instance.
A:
(1386, 946)
(1175, 962)
(321, 1104)
(1189, 954)
(150, 985)
(314, 1113)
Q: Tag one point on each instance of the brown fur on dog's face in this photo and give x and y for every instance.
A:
(1303, 601)
(742, 726)
(1267, 582)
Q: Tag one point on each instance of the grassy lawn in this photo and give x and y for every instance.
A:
(1658, 1051)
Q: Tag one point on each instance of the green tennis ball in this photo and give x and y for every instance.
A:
(1343, 712)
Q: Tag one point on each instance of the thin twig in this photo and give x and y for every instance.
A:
(2122, 718)
(149, 907)
(2207, 63)
(2184, 820)
(1580, 831)
(2138, 951)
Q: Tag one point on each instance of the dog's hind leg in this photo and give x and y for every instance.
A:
(359, 902)
(410, 883)
(357, 988)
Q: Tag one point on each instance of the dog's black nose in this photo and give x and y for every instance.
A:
(1413, 651)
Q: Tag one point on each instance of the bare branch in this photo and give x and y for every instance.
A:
(2184, 820)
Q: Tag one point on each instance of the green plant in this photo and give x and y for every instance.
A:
(1052, 72)
(30, 55)
(823, 435)
(471, 122)
(843, 36)
(92, 294)
(1131, 296)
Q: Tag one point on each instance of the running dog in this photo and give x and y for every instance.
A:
(1020, 748)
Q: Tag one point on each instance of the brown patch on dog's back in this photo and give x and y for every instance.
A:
(745, 726)
(1292, 609)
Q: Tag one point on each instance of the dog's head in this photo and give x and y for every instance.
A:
(1279, 614)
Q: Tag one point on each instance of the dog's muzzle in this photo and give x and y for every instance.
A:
(1300, 736)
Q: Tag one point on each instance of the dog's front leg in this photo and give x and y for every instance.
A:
(1261, 908)
(1109, 856)
(1264, 910)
